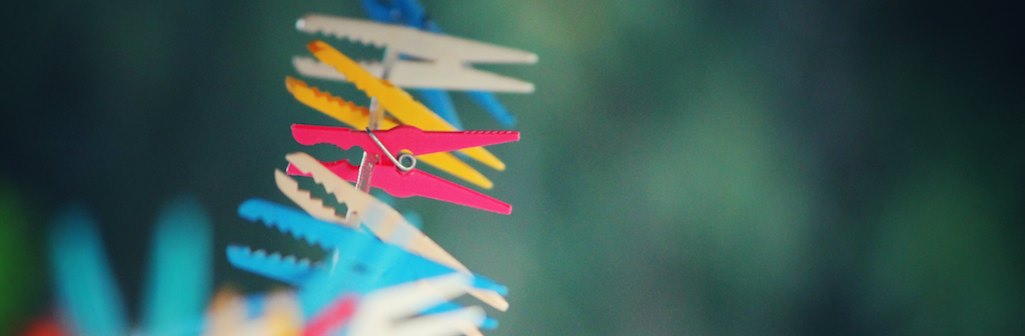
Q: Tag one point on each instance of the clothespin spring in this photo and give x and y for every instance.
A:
(396, 161)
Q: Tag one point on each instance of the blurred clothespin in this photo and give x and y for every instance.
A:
(412, 14)
(86, 290)
(180, 274)
(401, 179)
(388, 225)
(431, 60)
(87, 295)
(358, 263)
(393, 310)
(398, 310)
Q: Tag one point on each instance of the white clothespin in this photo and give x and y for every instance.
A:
(392, 311)
(428, 60)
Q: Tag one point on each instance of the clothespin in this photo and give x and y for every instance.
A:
(397, 178)
(390, 227)
(388, 311)
(397, 101)
(404, 108)
(359, 117)
(391, 311)
(432, 60)
(174, 300)
(86, 291)
(358, 263)
(412, 14)
(381, 312)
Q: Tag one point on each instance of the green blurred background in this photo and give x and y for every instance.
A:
(687, 167)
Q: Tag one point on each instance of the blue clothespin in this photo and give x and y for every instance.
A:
(357, 264)
(85, 286)
(180, 270)
(411, 13)
(179, 278)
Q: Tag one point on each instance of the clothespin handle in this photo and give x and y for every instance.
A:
(408, 138)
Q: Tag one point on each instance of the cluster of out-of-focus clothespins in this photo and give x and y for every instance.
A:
(381, 275)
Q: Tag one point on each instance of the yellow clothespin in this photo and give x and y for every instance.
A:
(358, 117)
(397, 101)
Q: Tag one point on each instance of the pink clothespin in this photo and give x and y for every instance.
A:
(399, 144)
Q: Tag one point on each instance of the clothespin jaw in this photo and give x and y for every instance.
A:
(358, 117)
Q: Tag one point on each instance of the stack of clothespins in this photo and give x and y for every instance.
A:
(382, 274)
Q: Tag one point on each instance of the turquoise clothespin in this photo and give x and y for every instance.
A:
(357, 264)
(180, 270)
(86, 291)
(179, 276)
